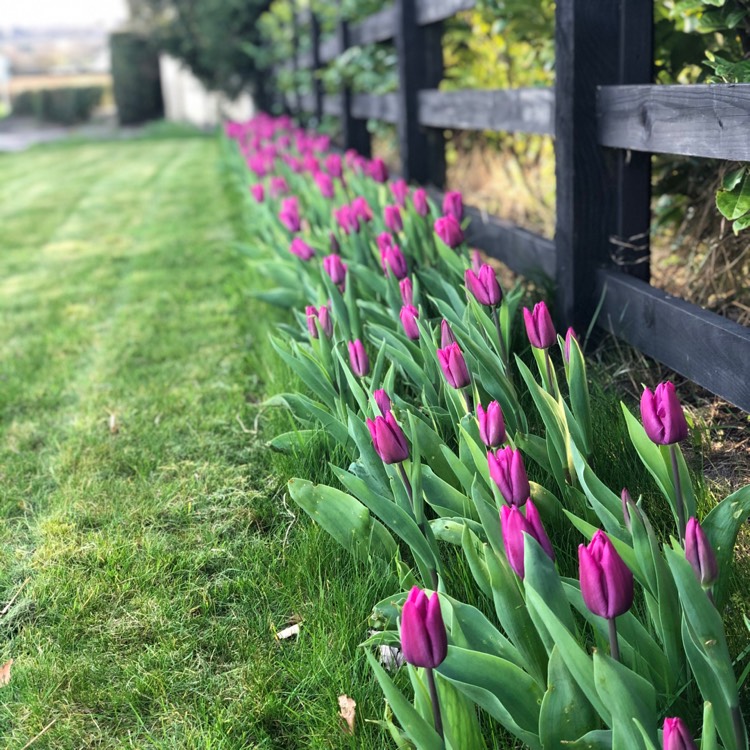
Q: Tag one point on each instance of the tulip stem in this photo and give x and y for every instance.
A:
(614, 646)
(501, 340)
(468, 399)
(435, 704)
(678, 493)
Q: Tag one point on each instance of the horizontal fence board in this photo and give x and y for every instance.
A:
(703, 346)
(692, 120)
(305, 60)
(375, 107)
(332, 105)
(432, 11)
(379, 27)
(329, 49)
(510, 110)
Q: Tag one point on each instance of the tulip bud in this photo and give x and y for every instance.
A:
(279, 186)
(627, 506)
(509, 474)
(378, 170)
(453, 365)
(569, 336)
(333, 165)
(677, 736)
(514, 525)
(335, 268)
(453, 205)
(361, 209)
(484, 286)
(539, 326)
(491, 425)
(388, 439)
(700, 554)
(419, 200)
(662, 415)
(358, 359)
(400, 190)
(325, 184)
(392, 218)
(449, 231)
(395, 262)
(289, 214)
(301, 249)
(346, 219)
(424, 640)
(382, 400)
(258, 192)
(323, 318)
(409, 315)
(446, 334)
(384, 242)
(407, 291)
(606, 582)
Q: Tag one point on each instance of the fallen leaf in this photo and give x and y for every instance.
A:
(114, 428)
(292, 630)
(391, 658)
(5, 673)
(347, 710)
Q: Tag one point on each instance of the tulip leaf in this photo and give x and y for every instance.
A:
(286, 299)
(475, 556)
(508, 693)
(294, 441)
(579, 395)
(490, 518)
(344, 518)
(414, 726)
(439, 493)
(307, 368)
(460, 719)
(306, 409)
(708, 735)
(535, 447)
(599, 739)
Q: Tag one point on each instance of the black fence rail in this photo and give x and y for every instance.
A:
(607, 118)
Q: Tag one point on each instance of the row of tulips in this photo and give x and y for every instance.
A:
(409, 350)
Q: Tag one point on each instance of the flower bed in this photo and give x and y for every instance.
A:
(417, 371)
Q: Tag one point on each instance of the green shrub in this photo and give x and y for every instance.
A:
(66, 105)
(135, 78)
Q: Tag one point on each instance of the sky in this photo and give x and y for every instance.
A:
(76, 13)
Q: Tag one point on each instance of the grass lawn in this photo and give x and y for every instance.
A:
(143, 526)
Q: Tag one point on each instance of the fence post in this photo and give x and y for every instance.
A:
(295, 61)
(354, 131)
(603, 195)
(420, 66)
(317, 65)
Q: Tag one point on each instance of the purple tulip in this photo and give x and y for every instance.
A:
(394, 261)
(453, 365)
(569, 336)
(419, 200)
(662, 415)
(628, 508)
(509, 474)
(346, 219)
(334, 242)
(361, 209)
(382, 400)
(335, 268)
(484, 286)
(700, 554)
(407, 291)
(453, 205)
(378, 170)
(325, 184)
(258, 192)
(333, 165)
(279, 186)
(539, 326)
(289, 214)
(514, 525)
(476, 261)
(606, 582)
(447, 337)
(358, 359)
(424, 640)
(409, 315)
(400, 191)
(491, 425)
(384, 242)
(388, 439)
(301, 249)
(449, 231)
(392, 218)
(323, 317)
(677, 736)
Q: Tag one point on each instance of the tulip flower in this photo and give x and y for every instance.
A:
(323, 317)
(400, 191)
(476, 261)
(361, 209)
(628, 508)
(662, 415)
(334, 243)
(384, 242)
(346, 219)
(378, 170)
(392, 218)
(301, 249)
(279, 186)
(539, 326)
(258, 192)
(388, 439)
(333, 165)
(700, 554)
(449, 231)
(453, 205)
(325, 184)
(407, 291)
(606, 583)
(382, 400)
(335, 268)
(358, 359)
(289, 214)
(514, 525)
(569, 336)
(676, 735)
(419, 201)
(491, 425)
(447, 336)
(408, 316)
(509, 474)
(484, 286)
(394, 261)
(453, 365)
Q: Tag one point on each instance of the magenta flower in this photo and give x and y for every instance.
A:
(419, 201)
(484, 286)
(301, 249)
(335, 268)
(408, 316)
(279, 186)
(382, 400)
(388, 439)
(676, 735)
(400, 191)
(333, 165)
(449, 231)
(476, 261)
(569, 336)
(384, 242)
(662, 415)
(407, 291)
(491, 425)
(289, 214)
(378, 170)
(361, 209)
(323, 317)
(424, 640)
(392, 218)
(509, 474)
(453, 205)
(358, 359)
(539, 326)
(453, 365)
(346, 219)
(606, 582)
(334, 243)
(258, 192)
(700, 554)
(447, 336)
(325, 184)
(514, 525)
(395, 262)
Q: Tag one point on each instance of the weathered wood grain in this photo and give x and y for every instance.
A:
(432, 11)
(375, 107)
(379, 27)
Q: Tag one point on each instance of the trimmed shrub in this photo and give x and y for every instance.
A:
(66, 105)
(135, 77)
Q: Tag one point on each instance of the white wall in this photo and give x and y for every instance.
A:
(187, 100)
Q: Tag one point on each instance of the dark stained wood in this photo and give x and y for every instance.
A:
(702, 346)
(511, 110)
(697, 120)
(375, 107)
(316, 65)
(353, 128)
(379, 27)
(432, 11)
(295, 53)
(332, 105)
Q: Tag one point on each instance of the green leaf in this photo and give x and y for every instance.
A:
(708, 735)
(291, 442)
(736, 202)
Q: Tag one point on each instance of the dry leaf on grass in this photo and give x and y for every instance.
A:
(347, 710)
(114, 428)
(5, 673)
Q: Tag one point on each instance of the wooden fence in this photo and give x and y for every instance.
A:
(607, 118)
